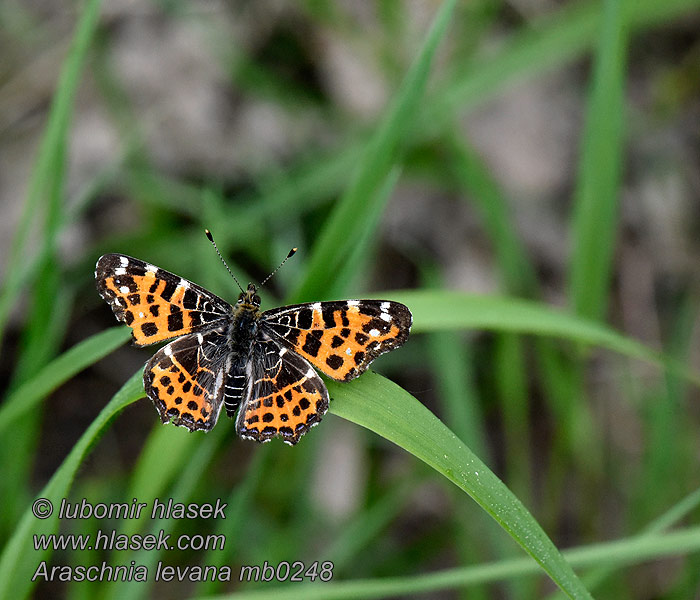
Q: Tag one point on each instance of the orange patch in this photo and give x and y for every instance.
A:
(347, 348)
(289, 411)
(151, 318)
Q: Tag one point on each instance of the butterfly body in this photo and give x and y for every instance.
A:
(257, 364)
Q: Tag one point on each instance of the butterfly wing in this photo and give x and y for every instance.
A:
(155, 303)
(185, 379)
(285, 397)
(339, 338)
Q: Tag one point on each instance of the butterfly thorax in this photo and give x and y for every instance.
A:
(243, 330)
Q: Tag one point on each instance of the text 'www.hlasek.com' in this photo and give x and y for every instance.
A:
(160, 512)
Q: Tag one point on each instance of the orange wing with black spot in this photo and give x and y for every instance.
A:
(186, 380)
(155, 303)
(340, 338)
(285, 397)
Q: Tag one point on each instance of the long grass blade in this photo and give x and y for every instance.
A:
(622, 552)
(348, 218)
(596, 198)
(27, 396)
(19, 561)
(383, 407)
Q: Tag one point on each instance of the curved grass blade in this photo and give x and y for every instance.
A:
(622, 552)
(19, 561)
(465, 311)
(26, 397)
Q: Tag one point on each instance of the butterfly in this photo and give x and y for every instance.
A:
(258, 365)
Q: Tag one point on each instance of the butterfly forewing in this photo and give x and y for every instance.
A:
(340, 338)
(155, 303)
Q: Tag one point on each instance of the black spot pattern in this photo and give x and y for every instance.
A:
(328, 318)
(312, 345)
(305, 318)
(175, 321)
(149, 329)
(334, 361)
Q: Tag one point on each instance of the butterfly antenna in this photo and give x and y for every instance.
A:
(291, 253)
(211, 239)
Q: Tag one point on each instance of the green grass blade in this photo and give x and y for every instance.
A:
(512, 389)
(49, 162)
(474, 177)
(183, 490)
(667, 461)
(674, 514)
(160, 461)
(383, 407)
(348, 218)
(465, 311)
(19, 561)
(360, 252)
(595, 210)
(551, 41)
(27, 396)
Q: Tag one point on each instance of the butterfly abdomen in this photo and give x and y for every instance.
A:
(235, 382)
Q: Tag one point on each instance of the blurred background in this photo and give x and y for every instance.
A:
(250, 118)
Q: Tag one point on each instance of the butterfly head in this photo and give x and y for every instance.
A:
(249, 297)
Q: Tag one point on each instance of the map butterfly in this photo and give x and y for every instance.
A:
(256, 363)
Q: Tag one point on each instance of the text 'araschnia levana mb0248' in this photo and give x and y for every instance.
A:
(238, 356)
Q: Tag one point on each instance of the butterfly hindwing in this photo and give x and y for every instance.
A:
(155, 303)
(340, 338)
(285, 396)
(185, 380)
